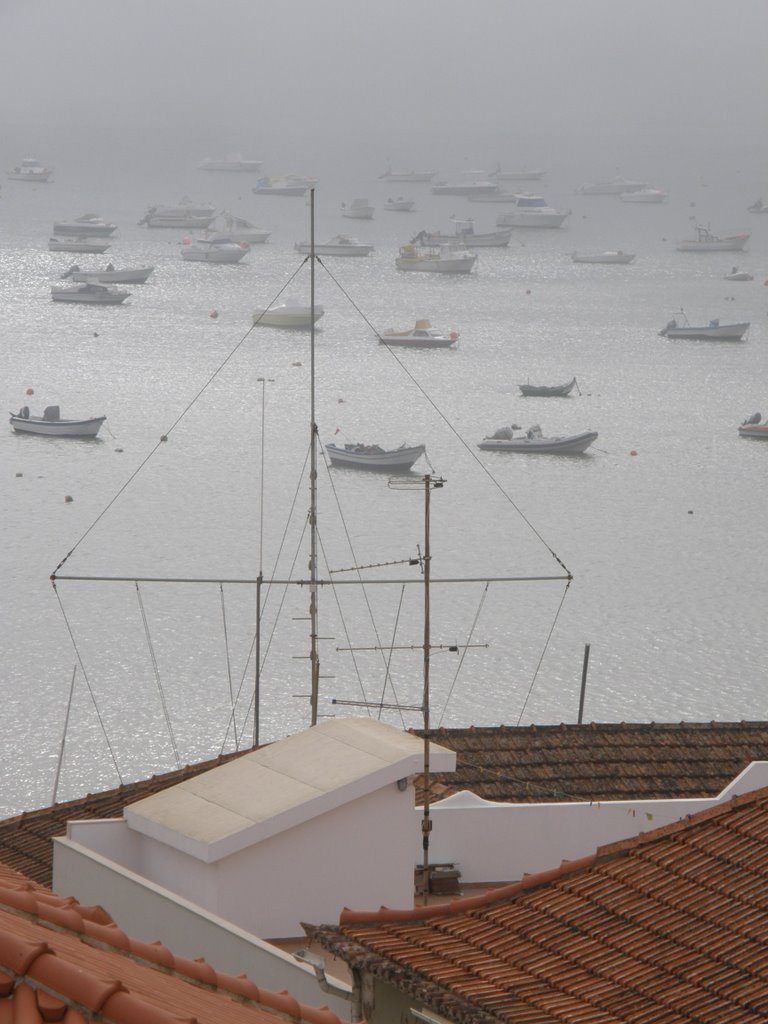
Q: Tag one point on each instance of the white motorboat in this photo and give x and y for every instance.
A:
(443, 259)
(371, 456)
(131, 275)
(644, 195)
(184, 215)
(228, 228)
(90, 225)
(231, 163)
(533, 442)
(714, 330)
(51, 424)
(614, 187)
(417, 176)
(78, 244)
(288, 315)
(738, 275)
(31, 170)
(610, 256)
(358, 209)
(758, 207)
(753, 427)
(423, 335)
(501, 175)
(531, 211)
(291, 185)
(705, 241)
(206, 251)
(339, 245)
(98, 294)
(464, 188)
(400, 205)
(465, 235)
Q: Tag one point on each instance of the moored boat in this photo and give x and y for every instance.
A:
(613, 187)
(400, 205)
(358, 209)
(50, 424)
(738, 275)
(30, 170)
(231, 163)
(130, 275)
(443, 259)
(548, 390)
(78, 244)
(228, 228)
(713, 330)
(533, 442)
(416, 176)
(531, 211)
(288, 186)
(644, 195)
(91, 292)
(465, 234)
(90, 225)
(184, 215)
(291, 316)
(423, 335)
(339, 245)
(464, 188)
(758, 207)
(372, 456)
(205, 250)
(753, 427)
(523, 175)
(705, 241)
(610, 256)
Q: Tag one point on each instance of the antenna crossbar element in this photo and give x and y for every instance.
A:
(452, 648)
(377, 704)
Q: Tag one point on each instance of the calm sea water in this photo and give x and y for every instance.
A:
(658, 524)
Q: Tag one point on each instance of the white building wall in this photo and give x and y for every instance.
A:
(358, 855)
(494, 842)
(148, 912)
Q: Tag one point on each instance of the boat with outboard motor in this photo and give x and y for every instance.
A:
(50, 424)
(465, 234)
(533, 442)
(205, 250)
(714, 330)
(30, 170)
(443, 259)
(423, 335)
(738, 275)
(529, 211)
(290, 315)
(753, 427)
(400, 205)
(185, 215)
(78, 244)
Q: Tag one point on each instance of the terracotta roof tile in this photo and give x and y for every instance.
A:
(663, 928)
(613, 761)
(58, 958)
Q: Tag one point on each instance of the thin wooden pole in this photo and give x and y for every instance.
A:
(583, 682)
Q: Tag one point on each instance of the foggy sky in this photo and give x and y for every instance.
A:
(417, 81)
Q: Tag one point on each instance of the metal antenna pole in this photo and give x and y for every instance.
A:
(260, 577)
(426, 821)
(313, 652)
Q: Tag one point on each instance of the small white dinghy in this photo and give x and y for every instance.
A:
(50, 424)
(371, 456)
(131, 275)
(533, 442)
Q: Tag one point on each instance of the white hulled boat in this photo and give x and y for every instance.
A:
(290, 185)
(292, 316)
(705, 241)
(416, 176)
(184, 215)
(400, 205)
(423, 335)
(501, 175)
(358, 209)
(339, 245)
(50, 424)
(644, 195)
(31, 170)
(609, 256)
(531, 212)
(443, 259)
(465, 234)
(231, 163)
(533, 442)
(90, 292)
(206, 251)
(713, 331)
(78, 244)
(130, 275)
(464, 188)
(614, 187)
(372, 456)
(90, 225)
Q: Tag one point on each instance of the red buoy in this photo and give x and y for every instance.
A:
(213, 314)
(633, 452)
(30, 391)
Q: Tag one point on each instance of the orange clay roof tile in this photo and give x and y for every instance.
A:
(664, 928)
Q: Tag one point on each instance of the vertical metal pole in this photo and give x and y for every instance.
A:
(313, 653)
(583, 682)
(426, 821)
(257, 683)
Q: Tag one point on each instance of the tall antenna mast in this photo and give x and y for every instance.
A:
(314, 659)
